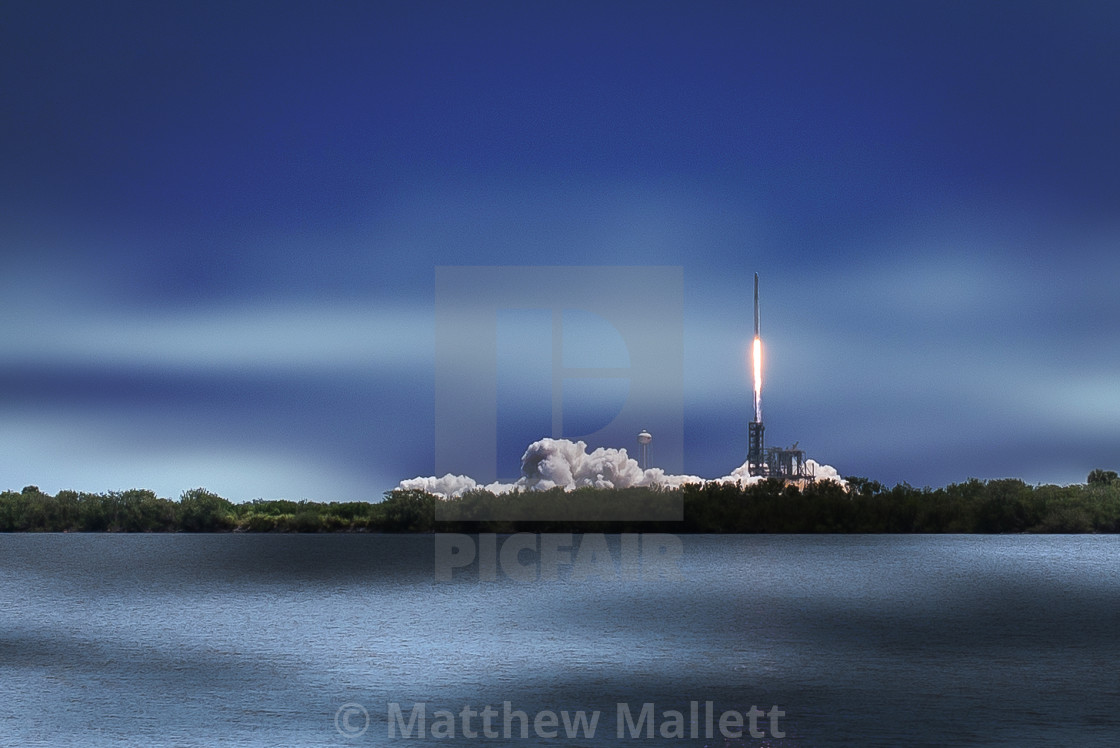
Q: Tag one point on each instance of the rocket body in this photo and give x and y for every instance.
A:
(756, 332)
(756, 351)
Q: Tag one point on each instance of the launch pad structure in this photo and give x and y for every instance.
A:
(784, 463)
(773, 462)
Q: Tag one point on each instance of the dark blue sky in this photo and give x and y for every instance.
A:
(220, 226)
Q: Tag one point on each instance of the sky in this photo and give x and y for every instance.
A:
(221, 223)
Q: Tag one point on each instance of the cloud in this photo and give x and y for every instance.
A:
(301, 337)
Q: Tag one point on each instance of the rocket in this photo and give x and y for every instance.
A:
(756, 333)
(755, 428)
(757, 358)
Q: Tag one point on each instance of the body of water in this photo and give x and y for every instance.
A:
(309, 640)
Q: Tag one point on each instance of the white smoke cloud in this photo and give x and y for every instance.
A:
(549, 463)
(825, 472)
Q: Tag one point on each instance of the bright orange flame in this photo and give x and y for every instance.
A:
(758, 379)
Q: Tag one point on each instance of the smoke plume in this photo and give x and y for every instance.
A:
(549, 463)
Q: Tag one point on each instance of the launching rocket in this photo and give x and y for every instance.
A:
(756, 333)
(755, 447)
(756, 350)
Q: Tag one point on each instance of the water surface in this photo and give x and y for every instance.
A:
(258, 640)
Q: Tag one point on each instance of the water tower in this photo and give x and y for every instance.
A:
(644, 439)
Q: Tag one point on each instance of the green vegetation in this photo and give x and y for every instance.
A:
(198, 510)
(1103, 477)
(975, 506)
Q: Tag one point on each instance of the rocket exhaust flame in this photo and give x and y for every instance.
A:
(758, 379)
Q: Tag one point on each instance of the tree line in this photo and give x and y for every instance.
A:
(771, 506)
